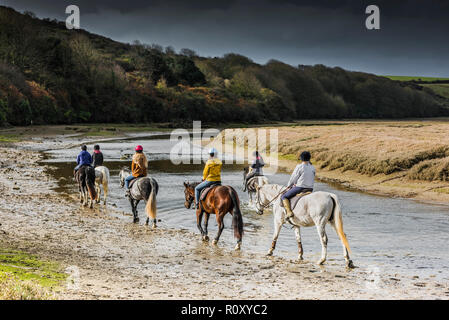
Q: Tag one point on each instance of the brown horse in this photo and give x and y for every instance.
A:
(85, 176)
(220, 200)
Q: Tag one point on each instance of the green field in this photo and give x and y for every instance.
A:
(408, 78)
(441, 89)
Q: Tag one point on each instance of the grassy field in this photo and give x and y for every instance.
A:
(441, 89)
(396, 158)
(26, 277)
(409, 78)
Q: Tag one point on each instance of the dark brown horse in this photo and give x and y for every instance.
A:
(85, 176)
(219, 201)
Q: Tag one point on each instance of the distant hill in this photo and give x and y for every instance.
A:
(417, 79)
(51, 75)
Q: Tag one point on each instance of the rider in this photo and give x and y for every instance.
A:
(211, 174)
(83, 159)
(139, 167)
(302, 180)
(256, 168)
(97, 156)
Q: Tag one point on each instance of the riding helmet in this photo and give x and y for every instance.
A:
(213, 152)
(305, 156)
(139, 148)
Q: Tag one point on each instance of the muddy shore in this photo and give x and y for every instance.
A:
(120, 260)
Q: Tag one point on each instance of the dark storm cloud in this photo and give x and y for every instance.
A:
(413, 38)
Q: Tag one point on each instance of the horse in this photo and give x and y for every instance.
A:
(220, 200)
(144, 189)
(85, 176)
(317, 208)
(252, 184)
(101, 178)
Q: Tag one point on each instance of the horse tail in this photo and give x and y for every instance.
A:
(237, 220)
(150, 208)
(106, 180)
(90, 182)
(338, 220)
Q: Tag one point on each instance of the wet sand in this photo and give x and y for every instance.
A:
(121, 260)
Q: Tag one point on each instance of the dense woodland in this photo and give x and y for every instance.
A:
(51, 75)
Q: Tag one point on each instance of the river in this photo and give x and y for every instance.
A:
(385, 234)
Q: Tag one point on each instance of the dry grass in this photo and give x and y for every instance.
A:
(420, 148)
(12, 288)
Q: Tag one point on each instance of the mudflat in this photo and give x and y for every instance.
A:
(117, 259)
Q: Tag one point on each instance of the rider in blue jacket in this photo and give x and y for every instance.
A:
(84, 158)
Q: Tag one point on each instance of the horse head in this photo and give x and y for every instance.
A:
(189, 193)
(261, 200)
(122, 176)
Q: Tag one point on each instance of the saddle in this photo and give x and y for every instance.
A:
(294, 201)
(206, 190)
(131, 183)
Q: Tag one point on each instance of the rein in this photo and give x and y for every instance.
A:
(264, 206)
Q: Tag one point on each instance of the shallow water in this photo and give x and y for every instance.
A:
(394, 235)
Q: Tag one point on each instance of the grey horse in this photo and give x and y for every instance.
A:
(144, 189)
(316, 209)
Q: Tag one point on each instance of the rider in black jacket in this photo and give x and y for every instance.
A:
(97, 157)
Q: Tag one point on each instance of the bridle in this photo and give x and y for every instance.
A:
(190, 199)
(264, 206)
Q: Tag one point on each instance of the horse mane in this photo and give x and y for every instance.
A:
(193, 184)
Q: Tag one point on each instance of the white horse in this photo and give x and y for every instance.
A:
(317, 208)
(101, 178)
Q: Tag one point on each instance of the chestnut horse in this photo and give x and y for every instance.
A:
(219, 201)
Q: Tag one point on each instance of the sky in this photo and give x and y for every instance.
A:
(413, 38)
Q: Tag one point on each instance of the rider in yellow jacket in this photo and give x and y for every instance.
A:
(211, 174)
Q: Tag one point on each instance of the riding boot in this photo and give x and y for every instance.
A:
(287, 207)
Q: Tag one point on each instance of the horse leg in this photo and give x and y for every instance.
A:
(199, 217)
(220, 225)
(298, 239)
(206, 222)
(105, 191)
(134, 210)
(85, 196)
(278, 222)
(348, 261)
(321, 228)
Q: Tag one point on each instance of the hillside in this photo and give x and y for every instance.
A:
(51, 75)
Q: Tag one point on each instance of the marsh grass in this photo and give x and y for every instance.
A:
(418, 149)
(24, 276)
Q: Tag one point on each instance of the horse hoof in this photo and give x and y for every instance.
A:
(270, 253)
(136, 220)
(350, 264)
(300, 258)
(205, 238)
(153, 226)
(215, 242)
(237, 247)
(320, 262)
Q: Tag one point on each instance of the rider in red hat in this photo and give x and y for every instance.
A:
(139, 166)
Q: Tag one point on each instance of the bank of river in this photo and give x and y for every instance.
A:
(398, 245)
